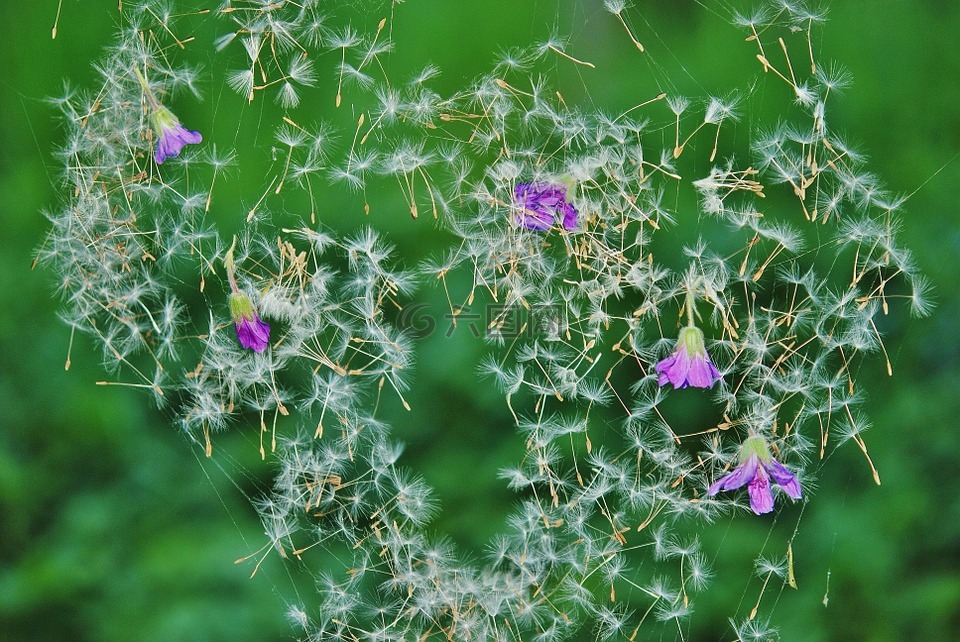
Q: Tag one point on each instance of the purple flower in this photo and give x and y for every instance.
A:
(541, 203)
(757, 467)
(689, 365)
(252, 333)
(171, 135)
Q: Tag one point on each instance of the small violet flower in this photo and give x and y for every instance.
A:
(757, 467)
(689, 365)
(171, 135)
(541, 204)
(252, 333)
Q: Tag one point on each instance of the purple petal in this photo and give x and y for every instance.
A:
(674, 369)
(784, 478)
(699, 375)
(172, 140)
(663, 366)
(546, 195)
(714, 373)
(569, 216)
(253, 334)
(761, 499)
(540, 204)
(533, 220)
(736, 478)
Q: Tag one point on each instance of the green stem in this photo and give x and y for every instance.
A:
(228, 264)
(146, 89)
(690, 305)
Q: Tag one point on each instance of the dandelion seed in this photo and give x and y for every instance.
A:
(757, 467)
(541, 203)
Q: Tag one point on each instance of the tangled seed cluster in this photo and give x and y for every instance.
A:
(562, 214)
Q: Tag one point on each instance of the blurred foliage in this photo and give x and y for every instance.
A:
(113, 528)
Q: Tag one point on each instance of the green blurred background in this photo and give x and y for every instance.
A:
(114, 529)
